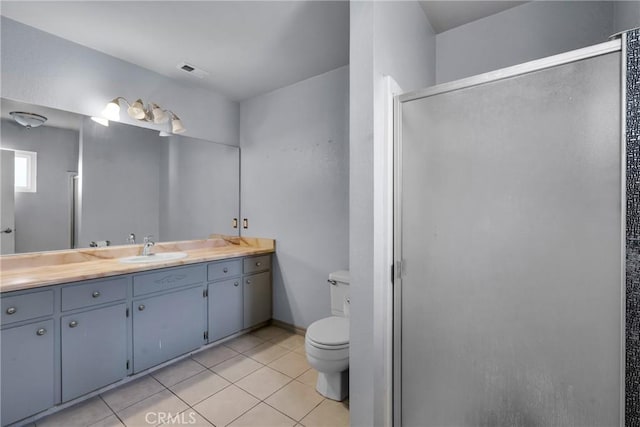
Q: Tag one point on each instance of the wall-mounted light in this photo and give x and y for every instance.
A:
(152, 112)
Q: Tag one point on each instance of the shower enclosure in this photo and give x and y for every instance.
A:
(509, 229)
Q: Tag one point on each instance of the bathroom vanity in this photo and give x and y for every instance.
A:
(71, 328)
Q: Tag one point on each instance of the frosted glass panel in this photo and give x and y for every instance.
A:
(511, 208)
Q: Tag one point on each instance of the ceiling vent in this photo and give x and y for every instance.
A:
(193, 70)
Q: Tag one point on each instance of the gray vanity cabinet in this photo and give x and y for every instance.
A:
(225, 308)
(166, 326)
(65, 341)
(94, 349)
(256, 291)
(28, 374)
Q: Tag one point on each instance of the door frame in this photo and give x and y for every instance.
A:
(616, 45)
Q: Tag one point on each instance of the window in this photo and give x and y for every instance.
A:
(25, 173)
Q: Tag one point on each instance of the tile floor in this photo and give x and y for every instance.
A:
(260, 379)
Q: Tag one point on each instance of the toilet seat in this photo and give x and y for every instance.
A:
(331, 333)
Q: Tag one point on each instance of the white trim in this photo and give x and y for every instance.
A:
(516, 70)
(383, 258)
(623, 231)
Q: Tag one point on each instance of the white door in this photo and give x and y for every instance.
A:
(7, 210)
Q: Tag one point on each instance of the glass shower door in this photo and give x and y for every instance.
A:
(510, 236)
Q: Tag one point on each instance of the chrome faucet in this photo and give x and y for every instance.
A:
(131, 239)
(148, 243)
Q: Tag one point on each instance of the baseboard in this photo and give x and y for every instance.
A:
(289, 327)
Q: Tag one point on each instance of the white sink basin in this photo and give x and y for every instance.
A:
(159, 257)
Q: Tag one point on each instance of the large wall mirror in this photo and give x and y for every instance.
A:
(73, 183)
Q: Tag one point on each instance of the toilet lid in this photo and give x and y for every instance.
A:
(331, 331)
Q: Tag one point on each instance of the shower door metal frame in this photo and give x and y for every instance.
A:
(616, 45)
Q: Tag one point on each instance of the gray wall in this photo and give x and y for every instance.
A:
(120, 173)
(42, 218)
(626, 15)
(43, 69)
(387, 38)
(524, 33)
(294, 144)
(199, 188)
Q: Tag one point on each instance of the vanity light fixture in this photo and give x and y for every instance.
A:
(152, 112)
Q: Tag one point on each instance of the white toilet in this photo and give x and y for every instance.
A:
(327, 342)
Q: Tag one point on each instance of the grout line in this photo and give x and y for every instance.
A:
(112, 410)
(231, 422)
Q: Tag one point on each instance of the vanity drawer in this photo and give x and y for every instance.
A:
(26, 306)
(168, 278)
(224, 269)
(258, 263)
(93, 293)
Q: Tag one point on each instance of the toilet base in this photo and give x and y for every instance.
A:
(334, 386)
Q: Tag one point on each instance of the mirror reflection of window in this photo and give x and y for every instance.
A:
(25, 171)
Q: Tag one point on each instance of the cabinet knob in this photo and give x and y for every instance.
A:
(73, 324)
(248, 281)
(236, 284)
(11, 310)
(225, 270)
(40, 332)
(95, 294)
(141, 307)
(258, 264)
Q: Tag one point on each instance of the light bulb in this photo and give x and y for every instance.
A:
(158, 114)
(112, 111)
(136, 110)
(176, 125)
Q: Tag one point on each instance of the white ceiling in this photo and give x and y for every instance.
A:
(445, 15)
(248, 47)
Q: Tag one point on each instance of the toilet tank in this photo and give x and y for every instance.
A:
(339, 285)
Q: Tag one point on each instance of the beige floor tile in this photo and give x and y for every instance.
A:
(236, 368)
(199, 387)
(263, 415)
(310, 377)
(295, 400)
(83, 414)
(289, 341)
(291, 364)
(226, 405)
(266, 352)
(189, 418)
(268, 332)
(214, 355)
(300, 350)
(148, 411)
(130, 393)
(111, 421)
(177, 372)
(263, 382)
(329, 413)
(244, 343)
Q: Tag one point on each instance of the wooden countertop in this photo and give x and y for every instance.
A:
(33, 270)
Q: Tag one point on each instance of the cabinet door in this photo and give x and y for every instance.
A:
(94, 350)
(257, 298)
(225, 308)
(27, 370)
(167, 326)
